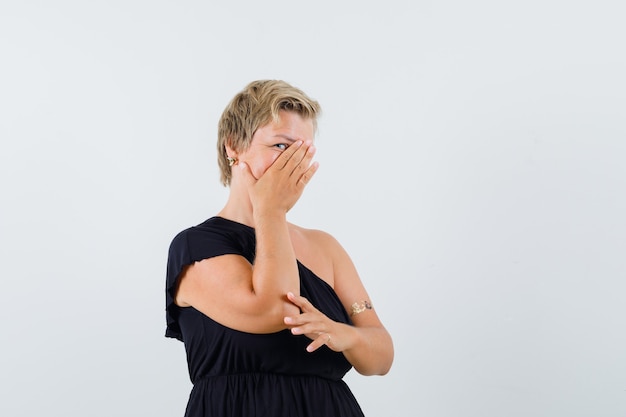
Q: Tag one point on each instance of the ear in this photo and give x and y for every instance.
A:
(231, 152)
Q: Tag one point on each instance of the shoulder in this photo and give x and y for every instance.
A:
(314, 236)
(214, 226)
(215, 236)
(320, 241)
(180, 242)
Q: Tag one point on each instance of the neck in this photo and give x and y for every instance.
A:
(238, 207)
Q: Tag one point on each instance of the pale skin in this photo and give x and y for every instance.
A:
(267, 180)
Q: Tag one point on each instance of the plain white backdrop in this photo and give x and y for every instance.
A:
(472, 161)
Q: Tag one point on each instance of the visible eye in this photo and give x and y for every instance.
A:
(281, 146)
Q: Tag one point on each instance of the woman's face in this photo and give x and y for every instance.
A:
(271, 140)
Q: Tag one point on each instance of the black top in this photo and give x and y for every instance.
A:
(244, 374)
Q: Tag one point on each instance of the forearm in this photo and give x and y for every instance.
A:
(371, 350)
(275, 270)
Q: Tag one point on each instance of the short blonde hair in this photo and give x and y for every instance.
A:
(256, 105)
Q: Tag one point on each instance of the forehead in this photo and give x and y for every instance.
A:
(289, 125)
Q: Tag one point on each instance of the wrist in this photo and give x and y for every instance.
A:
(269, 215)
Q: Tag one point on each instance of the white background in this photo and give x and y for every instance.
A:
(472, 161)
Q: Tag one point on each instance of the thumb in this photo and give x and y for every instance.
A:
(246, 175)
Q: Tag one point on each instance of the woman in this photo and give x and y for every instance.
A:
(272, 315)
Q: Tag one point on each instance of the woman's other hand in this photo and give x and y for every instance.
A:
(317, 326)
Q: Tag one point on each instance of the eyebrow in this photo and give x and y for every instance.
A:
(288, 138)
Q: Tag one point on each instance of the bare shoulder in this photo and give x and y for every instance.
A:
(318, 241)
(317, 250)
(313, 236)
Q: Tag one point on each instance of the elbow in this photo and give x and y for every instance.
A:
(389, 360)
(381, 366)
(386, 368)
(377, 359)
(385, 358)
(379, 369)
(269, 315)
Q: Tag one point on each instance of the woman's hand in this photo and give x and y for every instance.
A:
(282, 184)
(317, 326)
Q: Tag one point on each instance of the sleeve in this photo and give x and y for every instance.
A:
(189, 246)
(177, 259)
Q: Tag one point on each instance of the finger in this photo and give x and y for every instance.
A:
(305, 178)
(303, 165)
(304, 304)
(301, 158)
(312, 328)
(298, 320)
(287, 155)
(323, 339)
(246, 174)
(308, 322)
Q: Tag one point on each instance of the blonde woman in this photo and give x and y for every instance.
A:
(272, 315)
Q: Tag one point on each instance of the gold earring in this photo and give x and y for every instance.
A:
(231, 161)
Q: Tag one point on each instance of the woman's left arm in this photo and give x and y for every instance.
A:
(367, 345)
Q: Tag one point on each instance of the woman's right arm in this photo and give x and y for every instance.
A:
(252, 298)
